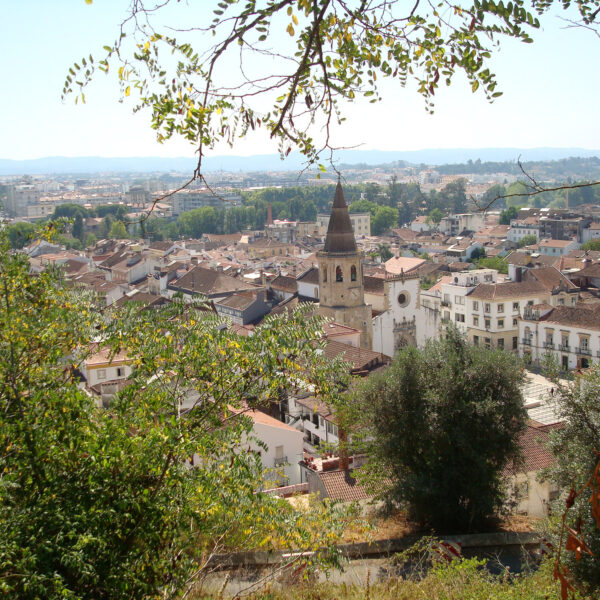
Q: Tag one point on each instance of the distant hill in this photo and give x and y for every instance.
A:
(272, 162)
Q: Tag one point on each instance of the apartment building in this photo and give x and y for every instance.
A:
(569, 333)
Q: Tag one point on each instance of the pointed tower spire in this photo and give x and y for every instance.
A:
(340, 237)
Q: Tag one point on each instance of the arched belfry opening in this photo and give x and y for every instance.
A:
(342, 297)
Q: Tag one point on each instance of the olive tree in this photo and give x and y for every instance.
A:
(443, 422)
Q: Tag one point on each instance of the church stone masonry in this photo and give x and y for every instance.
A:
(341, 286)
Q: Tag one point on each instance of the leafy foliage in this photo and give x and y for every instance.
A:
(575, 446)
(527, 240)
(103, 502)
(336, 54)
(444, 422)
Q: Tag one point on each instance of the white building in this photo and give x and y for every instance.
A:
(558, 247)
(284, 449)
(101, 368)
(519, 229)
(397, 325)
(569, 333)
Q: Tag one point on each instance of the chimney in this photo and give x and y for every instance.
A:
(343, 449)
(519, 274)
(269, 214)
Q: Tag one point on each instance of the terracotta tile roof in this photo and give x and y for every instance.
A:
(533, 448)
(360, 358)
(164, 246)
(238, 301)
(493, 291)
(285, 284)
(342, 485)
(590, 270)
(555, 243)
(522, 259)
(373, 285)
(335, 329)
(583, 315)
(206, 281)
(550, 277)
(310, 276)
(399, 264)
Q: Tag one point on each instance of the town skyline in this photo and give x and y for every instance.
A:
(538, 108)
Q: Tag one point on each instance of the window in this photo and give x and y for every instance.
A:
(529, 302)
(321, 422)
(459, 299)
(488, 343)
(487, 323)
(515, 343)
(101, 373)
(476, 340)
(339, 276)
(585, 343)
(324, 271)
(488, 277)
(120, 372)
(331, 428)
(516, 306)
(500, 308)
(561, 301)
(476, 321)
(501, 344)
(459, 318)
(500, 323)
(487, 307)
(565, 363)
(353, 273)
(475, 305)
(515, 322)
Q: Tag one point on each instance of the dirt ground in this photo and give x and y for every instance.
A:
(397, 526)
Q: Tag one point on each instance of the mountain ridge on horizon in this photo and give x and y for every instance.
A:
(273, 162)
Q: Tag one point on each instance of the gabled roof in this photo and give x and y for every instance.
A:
(284, 284)
(360, 358)
(310, 276)
(340, 237)
(496, 291)
(550, 277)
(208, 282)
(585, 316)
(342, 485)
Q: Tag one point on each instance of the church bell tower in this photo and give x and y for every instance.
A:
(342, 295)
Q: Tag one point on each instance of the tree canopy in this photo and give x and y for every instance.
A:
(102, 501)
(335, 52)
(575, 445)
(444, 421)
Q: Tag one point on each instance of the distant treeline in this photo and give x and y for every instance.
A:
(391, 205)
(574, 168)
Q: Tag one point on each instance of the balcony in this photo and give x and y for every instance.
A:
(279, 462)
(549, 345)
(585, 351)
(526, 341)
(446, 303)
(564, 348)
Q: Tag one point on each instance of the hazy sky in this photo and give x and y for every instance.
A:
(551, 95)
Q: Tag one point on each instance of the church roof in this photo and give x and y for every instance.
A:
(340, 237)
